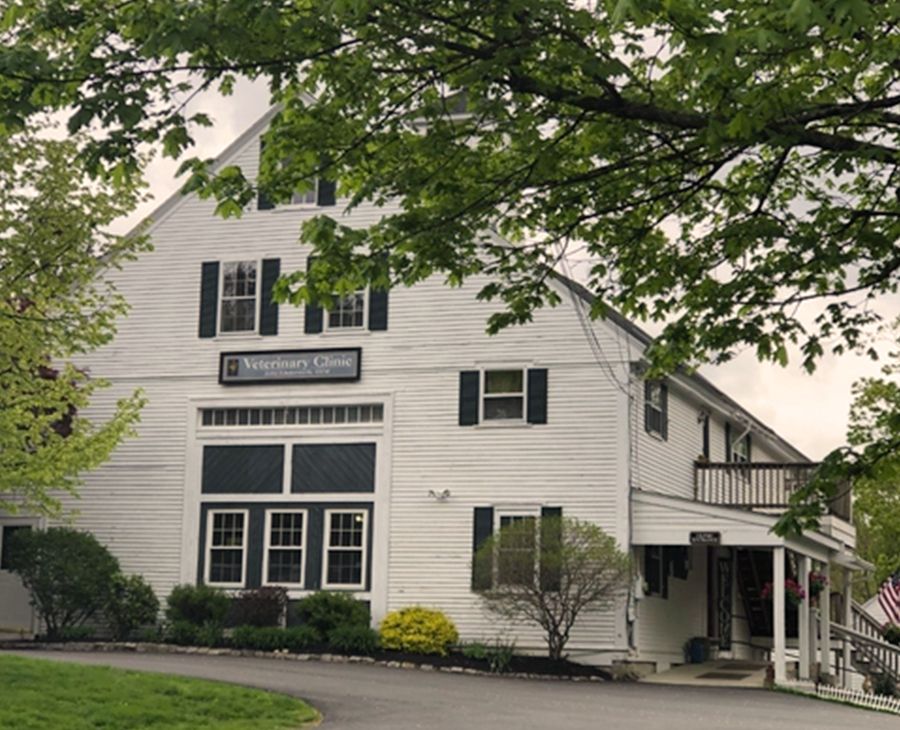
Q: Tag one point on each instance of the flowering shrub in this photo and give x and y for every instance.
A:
(417, 629)
(793, 592)
(818, 582)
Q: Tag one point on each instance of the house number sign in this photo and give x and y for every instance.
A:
(289, 366)
(706, 538)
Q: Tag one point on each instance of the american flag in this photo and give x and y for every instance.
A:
(889, 598)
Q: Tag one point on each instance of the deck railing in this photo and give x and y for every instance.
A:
(758, 485)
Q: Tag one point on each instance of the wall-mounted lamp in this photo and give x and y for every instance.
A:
(441, 496)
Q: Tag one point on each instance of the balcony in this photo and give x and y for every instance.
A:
(759, 486)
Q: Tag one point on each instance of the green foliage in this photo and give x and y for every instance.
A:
(885, 685)
(474, 650)
(419, 630)
(325, 611)
(353, 640)
(56, 305)
(130, 605)
(197, 605)
(182, 633)
(891, 634)
(500, 656)
(260, 638)
(67, 572)
(263, 606)
(75, 633)
(577, 567)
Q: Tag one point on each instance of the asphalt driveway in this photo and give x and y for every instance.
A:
(376, 698)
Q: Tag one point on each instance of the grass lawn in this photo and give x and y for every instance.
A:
(46, 694)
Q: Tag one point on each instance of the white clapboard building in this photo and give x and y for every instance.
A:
(370, 448)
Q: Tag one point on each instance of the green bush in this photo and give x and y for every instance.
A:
(325, 611)
(198, 605)
(353, 640)
(474, 650)
(210, 634)
(884, 685)
(266, 638)
(259, 607)
(130, 605)
(75, 633)
(67, 572)
(183, 633)
(891, 634)
(500, 656)
(419, 630)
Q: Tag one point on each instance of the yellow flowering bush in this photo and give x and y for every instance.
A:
(419, 630)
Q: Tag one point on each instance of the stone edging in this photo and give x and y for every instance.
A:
(152, 648)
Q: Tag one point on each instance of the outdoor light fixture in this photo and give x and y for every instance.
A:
(441, 496)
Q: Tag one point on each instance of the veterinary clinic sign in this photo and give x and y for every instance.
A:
(289, 366)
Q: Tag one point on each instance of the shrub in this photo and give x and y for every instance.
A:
(259, 607)
(353, 640)
(183, 633)
(131, 603)
(500, 656)
(67, 572)
(198, 605)
(891, 634)
(884, 685)
(417, 629)
(75, 633)
(152, 635)
(300, 638)
(474, 650)
(267, 638)
(326, 611)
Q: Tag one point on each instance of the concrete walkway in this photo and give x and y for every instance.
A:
(356, 696)
(718, 673)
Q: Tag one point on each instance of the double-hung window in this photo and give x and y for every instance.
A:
(285, 547)
(310, 196)
(740, 450)
(239, 294)
(517, 550)
(226, 558)
(503, 395)
(348, 312)
(656, 416)
(345, 548)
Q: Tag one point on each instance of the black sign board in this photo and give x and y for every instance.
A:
(289, 366)
(706, 538)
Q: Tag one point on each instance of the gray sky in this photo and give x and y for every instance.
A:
(808, 410)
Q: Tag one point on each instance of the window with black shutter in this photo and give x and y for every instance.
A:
(655, 573)
(656, 407)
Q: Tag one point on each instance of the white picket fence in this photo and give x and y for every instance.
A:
(852, 696)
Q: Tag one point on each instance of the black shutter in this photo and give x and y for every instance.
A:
(537, 395)
(469, 386)
(313, 318)
(664, 407)
(727, 441)
(706, 436)
(648, 412)
(268, 316)
(262, 202)
(326, 192)
(749, 447)
(551, 542)
(482, 570)
(209, 298)
(378, 309)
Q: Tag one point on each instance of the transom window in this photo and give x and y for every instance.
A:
(345, 548)
(239, 289)
(503, 397)
(348, 312)
(293, 416)
(227, 548)
(285, 543)
(517, 550)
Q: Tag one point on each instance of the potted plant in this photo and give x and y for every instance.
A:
(818, 582)
(793, 592)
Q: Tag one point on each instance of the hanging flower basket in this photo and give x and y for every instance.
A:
(793, 593)
(818, 582)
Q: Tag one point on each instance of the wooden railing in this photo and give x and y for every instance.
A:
(758, 485)
(875, 654)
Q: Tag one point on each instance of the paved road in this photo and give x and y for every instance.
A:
(376, 698)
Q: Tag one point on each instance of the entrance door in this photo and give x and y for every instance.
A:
(719, 586)
(16, 613)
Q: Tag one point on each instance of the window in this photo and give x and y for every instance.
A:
(345, 548)
(517, 550)
(740, 450)
(285, 547)
(226, 548)
(293, 416)
(503, 398)
(348, 312)
(238, 306)
(7, 531)
(309, 196)
(704, 435)
(656, 408)
(656, 574)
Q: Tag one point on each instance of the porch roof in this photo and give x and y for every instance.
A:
(661, 519)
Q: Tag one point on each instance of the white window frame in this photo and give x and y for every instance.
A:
(656, 386)
(326, 315)
(740, 453)
(482, 395)
(256, 299)
(207, 568)
(305, 203)
(532, 512)
(267, 547)
(326, 549)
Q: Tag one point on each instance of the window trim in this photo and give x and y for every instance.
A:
(327, 327)
(482, 394)
(207, 567)
(326, 549)
(743, 443)
(256, 300)
(267, 547)
(534, 512)
(661, 409)
(304, 204)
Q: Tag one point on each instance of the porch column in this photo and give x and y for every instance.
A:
(803, 624)
(848, 623)
(825, 606)
(778, 628)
